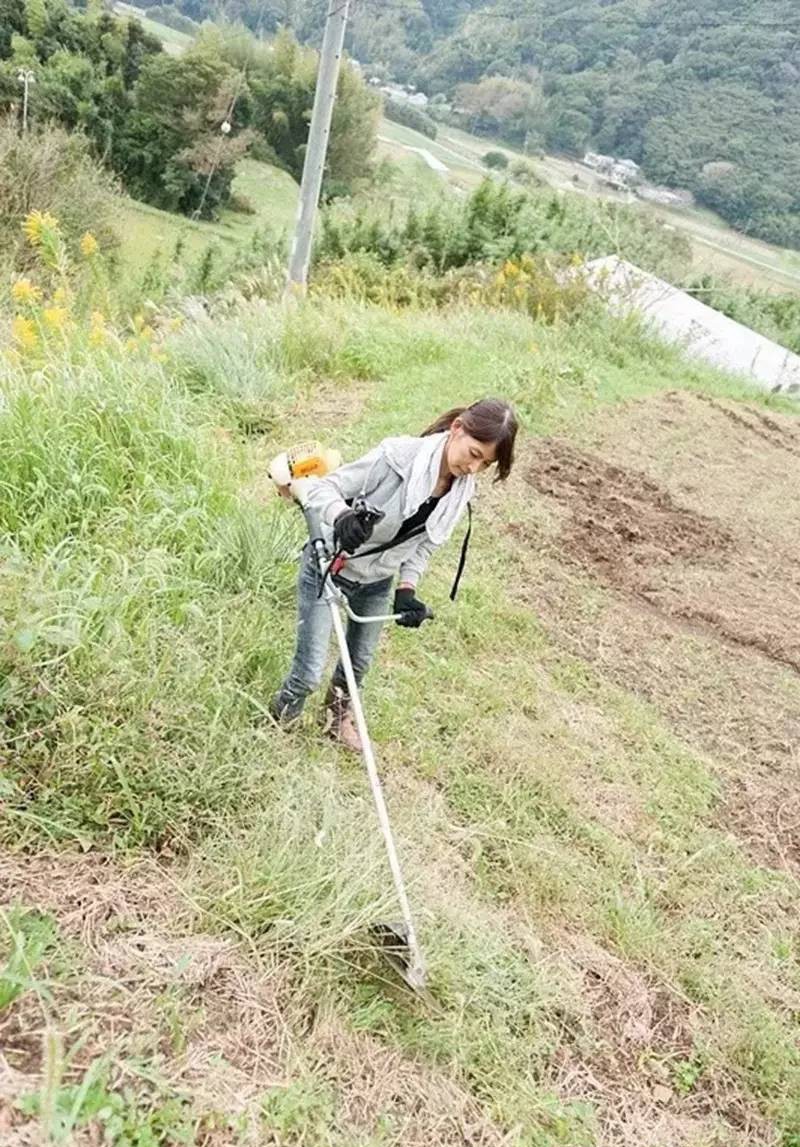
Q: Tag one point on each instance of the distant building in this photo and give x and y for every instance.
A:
(629, 170)
(405, 95)
(620, 173)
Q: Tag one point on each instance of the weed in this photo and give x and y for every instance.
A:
(25, 938)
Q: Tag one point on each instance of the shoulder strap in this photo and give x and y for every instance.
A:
(395, 541)
(462, 561)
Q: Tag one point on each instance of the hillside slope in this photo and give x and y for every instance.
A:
(591, 759)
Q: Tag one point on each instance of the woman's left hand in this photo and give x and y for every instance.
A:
(412, 611)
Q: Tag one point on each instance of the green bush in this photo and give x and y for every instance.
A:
(496, 160)
(498, 222)
(409, 116)
(49, 169)
(525, 173)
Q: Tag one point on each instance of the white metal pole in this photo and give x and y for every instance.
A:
(26, 78)
(316, 150)
(416, 972)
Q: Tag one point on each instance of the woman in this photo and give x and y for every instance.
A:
(423, 486)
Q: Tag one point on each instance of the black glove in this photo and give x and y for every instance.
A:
(412, 611)
(351, 530)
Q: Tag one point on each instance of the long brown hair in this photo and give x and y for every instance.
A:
(488, 420)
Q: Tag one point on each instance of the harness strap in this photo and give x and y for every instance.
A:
(462, 561)
(396, 541)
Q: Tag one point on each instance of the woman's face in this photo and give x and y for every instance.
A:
(465, 454)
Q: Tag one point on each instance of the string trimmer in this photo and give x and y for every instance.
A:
(292, 472)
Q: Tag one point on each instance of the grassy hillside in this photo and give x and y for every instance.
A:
(590, 758)
(174, 41)
(146, 232)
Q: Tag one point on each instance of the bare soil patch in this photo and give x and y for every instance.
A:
(664, 550)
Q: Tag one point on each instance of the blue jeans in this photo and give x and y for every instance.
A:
(314, 626)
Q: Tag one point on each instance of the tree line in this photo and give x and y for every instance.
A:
(704, 96)
(173, 127)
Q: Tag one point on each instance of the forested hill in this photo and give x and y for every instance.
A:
(705, 95)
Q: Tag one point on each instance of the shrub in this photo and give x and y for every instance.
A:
(410, 117)
(496, 160)
(51, 170)
(524, 173)
(497, 222)
(536, 286)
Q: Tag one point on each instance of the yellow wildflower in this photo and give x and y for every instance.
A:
(24, 291)
(97, 333)
(55, 317)
(88, 245)
(37, 224)
(24, 332)
(131, 344)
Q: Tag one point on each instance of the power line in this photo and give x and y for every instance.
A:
(228, 119)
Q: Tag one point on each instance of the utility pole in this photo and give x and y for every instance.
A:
(26, 78)
(317, 147)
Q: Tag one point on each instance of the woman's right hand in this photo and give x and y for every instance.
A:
(412, 612)
(351, 531)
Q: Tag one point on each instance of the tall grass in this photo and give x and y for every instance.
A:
(139, 598)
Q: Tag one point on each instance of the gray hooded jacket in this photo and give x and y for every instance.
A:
(396, 477)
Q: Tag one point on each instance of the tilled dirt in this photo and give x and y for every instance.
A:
(621, 522)
(684, 512)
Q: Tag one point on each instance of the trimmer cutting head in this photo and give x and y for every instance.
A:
(394, 945)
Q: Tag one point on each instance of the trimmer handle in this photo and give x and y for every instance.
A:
(367, 513)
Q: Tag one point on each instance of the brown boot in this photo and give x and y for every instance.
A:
(339, 723)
